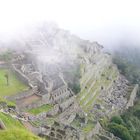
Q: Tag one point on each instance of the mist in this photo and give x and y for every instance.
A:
(111, 23)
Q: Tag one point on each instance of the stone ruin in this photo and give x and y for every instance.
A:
(49, 85)
(51, 88)
(60, 132)
(44, 89)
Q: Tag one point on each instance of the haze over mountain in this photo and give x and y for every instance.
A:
(108, 22)
(58, 79)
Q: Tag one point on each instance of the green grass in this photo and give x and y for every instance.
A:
(9, 103)
(43, 108)
(17, 134)
(15, 86)
(15, 130)
(10, 122)
(89, 127)
(47, 121)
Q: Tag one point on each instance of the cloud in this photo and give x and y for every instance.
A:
(106, 21)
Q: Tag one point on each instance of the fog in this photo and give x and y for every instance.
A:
(110, 22)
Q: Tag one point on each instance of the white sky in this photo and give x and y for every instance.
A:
(106, 21)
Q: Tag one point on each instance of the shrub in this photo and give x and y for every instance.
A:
(120, 131)
(117, 119)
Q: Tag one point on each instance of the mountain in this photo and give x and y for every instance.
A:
(73, 86)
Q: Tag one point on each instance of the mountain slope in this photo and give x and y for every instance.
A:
(73, 76)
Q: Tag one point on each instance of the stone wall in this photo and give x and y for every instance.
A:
(54, 111)
(4, 66)
(132, 96)
(58, 108)
(22, 95)
(69, 114)
(60, 132)
(21, 76)
(67, 103)
(43, 115)
(60, 94)
(62, 105)
(35, 104)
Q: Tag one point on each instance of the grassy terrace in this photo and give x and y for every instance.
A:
(10, 122)
(88, 95)
(15, 86)
(88, 127)
(85, 76)
(43, 108)
(47, 121)
(83, 90)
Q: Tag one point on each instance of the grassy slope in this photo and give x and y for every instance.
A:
(15, 130)
(43, 108)
(15, 86)
(16, 134)
(10, 122)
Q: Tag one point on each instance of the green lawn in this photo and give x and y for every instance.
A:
(15, 86)
(43, 108)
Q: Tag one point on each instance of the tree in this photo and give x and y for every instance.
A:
(7, 78)
(117, 119)
(120, 131)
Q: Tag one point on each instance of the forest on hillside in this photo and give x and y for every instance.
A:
(127, 125)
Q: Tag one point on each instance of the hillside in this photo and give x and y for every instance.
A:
(126, 125)
(69, 86)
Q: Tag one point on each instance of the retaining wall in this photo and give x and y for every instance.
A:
(132, 96)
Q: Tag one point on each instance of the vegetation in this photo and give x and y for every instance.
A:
(90, 91)
(43, 108)
(128, 61)
(6, 56)
(8, 103)
(15, 86)
(127, 126)
(10, 122)
(120, 131)
(72, 77)
(89, 127)
(15, 130)
(17, 134)
(75, 87)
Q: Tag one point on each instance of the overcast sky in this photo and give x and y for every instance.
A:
(107, 21)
